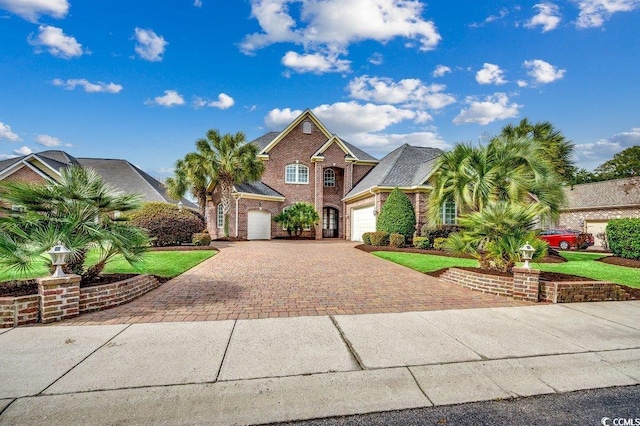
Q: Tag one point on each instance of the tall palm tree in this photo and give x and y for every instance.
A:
(219, 160)
(510, 170)
(78, 210)
(558, 150)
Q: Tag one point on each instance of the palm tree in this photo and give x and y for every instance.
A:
(558, 150)
(511, 170)
(219, 160)
(79, 210)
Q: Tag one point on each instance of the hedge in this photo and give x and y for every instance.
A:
(397, 215)
(396, 240)
(624, 237)
(421, 242)
(166, 224)
(366, 238)
(201, 239)
(379, 238)
(438, 243)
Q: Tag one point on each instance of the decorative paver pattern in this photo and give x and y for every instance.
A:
(270, 279)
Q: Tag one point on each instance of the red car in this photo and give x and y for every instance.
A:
(566, 238)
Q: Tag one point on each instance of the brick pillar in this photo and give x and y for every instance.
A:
(59, 298)
(526, 284)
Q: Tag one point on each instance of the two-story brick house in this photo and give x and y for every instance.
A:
(306, 162)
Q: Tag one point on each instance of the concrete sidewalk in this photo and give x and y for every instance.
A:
(268, 370)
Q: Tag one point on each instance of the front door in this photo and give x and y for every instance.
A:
(329, 222)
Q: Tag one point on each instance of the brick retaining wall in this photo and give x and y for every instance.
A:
(20, 310)
(585, 291)
(492, 284)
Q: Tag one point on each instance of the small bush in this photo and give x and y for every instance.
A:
(442, 231)
(166, 224)
(396, 240)
(379, 238)
(421, 242)
(438, 243)
(624, 237)
(397, 215)
(366, 238)
(201, 239)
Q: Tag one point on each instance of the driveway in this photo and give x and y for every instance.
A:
(268, 279)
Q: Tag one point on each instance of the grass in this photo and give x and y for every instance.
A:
(580, 264)
(161, 263)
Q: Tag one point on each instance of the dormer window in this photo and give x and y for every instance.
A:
(306, 127)
(296, 173)
(329, 177)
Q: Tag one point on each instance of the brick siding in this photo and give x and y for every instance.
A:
(491, 284)
(585, 291)
(107, 296)
(21, 310)
(58, 298)
(577, 219)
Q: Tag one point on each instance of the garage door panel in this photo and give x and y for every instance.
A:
(595, 227)
(362, 220)
(258, 225)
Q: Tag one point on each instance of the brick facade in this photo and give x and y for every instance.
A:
(577, 219)
(25, 174)
(106, 296)
(21, 310)
(59, 298)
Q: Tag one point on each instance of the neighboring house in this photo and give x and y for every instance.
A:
(120, 174)
(590, 206)
(347, 186)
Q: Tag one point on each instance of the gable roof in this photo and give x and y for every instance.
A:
(258, 189)
(119, 174)
(610, 193)
(405, 167)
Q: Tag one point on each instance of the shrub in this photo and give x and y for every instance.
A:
(438, 243)
(298, 217)
(421, 242)
(396, 240)
(166, 224)
(397, 215)
(201, 239)
(379, 238)
(442, 231)
(366, 238)
(624, 237)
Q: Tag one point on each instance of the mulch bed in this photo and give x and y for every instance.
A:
(29, 287)
(620, 261)
(182, 248)
(544, 276)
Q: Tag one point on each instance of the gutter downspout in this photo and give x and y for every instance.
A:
(237, 201)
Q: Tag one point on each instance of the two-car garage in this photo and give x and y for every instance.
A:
(363, 220)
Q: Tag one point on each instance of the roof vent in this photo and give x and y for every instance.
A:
(306, 127)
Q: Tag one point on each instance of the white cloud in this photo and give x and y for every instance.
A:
(224, 101)
(593, 13)
(56, 42)
(490, 74)
(376, 59)
(548, 17)
(591, 155)
(31, 10)
(492, 108)
(7, 156)
(88, 87)
(6, 133)
(491, 18)
(315, 62)
(441, 70)
(410, 92)
(169, 99)
(50, 141)
(522, 83)
(382, 142)
(23, 150)
(332, 25)
(150, 46)
(543, 72)
(197, 3)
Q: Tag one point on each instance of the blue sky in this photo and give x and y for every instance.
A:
(143, 79)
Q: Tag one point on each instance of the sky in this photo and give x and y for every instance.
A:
(143, 80)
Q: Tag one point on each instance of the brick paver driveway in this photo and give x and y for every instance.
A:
(262, 279)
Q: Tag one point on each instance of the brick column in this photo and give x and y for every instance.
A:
(526, 284)
(59, 297)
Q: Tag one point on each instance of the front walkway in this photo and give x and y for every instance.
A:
(268, 279)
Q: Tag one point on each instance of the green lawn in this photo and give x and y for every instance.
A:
(580, 264)
(161, 263)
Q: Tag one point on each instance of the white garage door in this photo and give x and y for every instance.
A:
(259, 225)
(596, 227)
(362, 220)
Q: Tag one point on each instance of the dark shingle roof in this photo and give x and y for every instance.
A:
(619, 192)
(406, 166)
(8, 162)
(257, 188)
(60, 157)
(360, 154)
(264, 140)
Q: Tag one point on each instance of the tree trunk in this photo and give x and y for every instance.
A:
(225, 193)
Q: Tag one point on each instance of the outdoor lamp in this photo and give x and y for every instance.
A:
(59, 254)
(180, 205)
(527, 254)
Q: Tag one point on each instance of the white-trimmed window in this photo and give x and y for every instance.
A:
(220, 216)
(329, 177)
(448, 213)
(296, 173)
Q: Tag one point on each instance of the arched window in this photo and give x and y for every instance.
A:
(296, 173)
(220, 216)
(329, 177)
(306, 127)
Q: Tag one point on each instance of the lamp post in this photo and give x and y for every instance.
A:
(527, 254)
(59, 254)
(180, 205)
